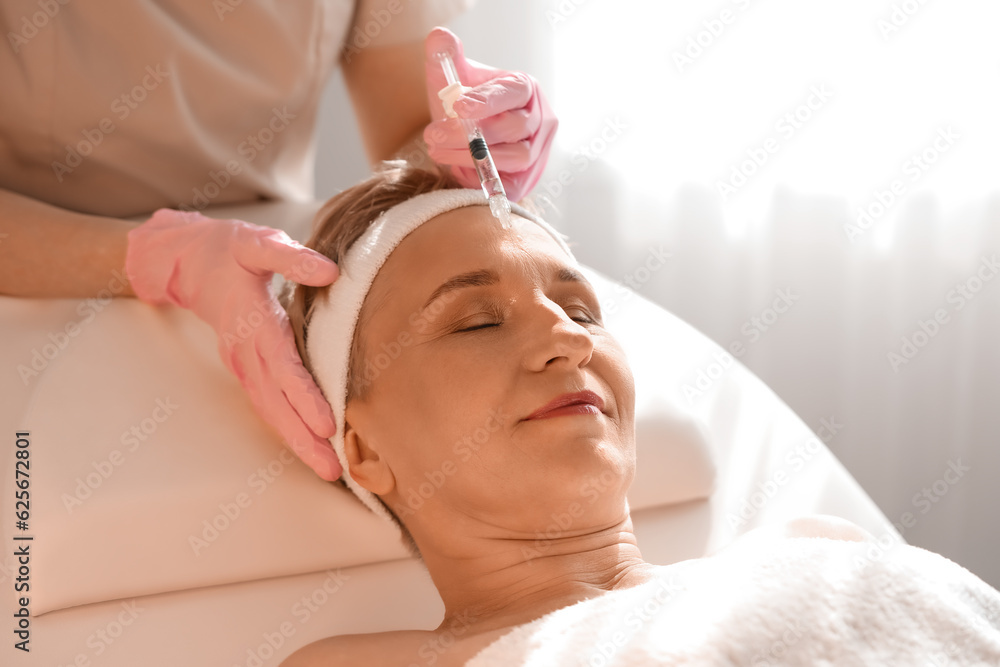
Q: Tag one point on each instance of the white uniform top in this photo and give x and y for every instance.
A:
(119, 108)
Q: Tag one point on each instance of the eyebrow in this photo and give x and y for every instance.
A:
(483, 277)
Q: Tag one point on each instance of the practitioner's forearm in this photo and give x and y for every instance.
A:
(389, 96)
(46, 251)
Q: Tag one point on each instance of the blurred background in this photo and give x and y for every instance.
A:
(824, 177)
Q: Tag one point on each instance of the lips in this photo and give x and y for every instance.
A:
(586, 397)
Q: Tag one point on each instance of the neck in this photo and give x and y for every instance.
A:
(495, 581)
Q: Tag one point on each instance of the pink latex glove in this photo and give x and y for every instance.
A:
(221, 270)
(517, 122)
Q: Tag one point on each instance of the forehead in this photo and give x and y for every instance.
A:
(464, 239)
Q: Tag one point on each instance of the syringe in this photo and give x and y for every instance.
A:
(489, 178)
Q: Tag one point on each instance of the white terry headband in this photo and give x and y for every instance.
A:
(335, 311)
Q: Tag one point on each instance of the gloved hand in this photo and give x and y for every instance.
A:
(221, 270)
(517, 122)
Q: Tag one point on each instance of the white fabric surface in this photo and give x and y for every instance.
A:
(799, 601)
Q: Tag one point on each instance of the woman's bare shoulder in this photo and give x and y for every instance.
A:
(348, 650)
(401, 647)
(345, 650)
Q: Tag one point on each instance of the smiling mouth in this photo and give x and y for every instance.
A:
(580, 403)
(569, 410)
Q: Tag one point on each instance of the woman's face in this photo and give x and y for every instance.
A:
(453, 380)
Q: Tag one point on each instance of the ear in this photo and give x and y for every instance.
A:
(365, 464)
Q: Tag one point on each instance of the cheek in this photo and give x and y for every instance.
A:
(619, 374)
(627, 392)
(442, 412)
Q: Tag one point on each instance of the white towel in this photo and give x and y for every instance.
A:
(792, 601)
(336, 309)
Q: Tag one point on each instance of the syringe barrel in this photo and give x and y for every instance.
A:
(485, 167)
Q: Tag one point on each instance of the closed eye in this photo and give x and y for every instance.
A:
(479, 326)
(586, 319)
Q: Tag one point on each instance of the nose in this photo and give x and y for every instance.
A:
(557, 339)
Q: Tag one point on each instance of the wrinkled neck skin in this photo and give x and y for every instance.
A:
(489, 579)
